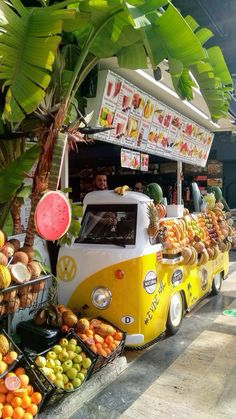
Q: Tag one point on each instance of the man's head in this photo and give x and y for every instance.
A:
(100, 181)
(138, 187)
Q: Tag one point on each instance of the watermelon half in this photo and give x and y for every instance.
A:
(52, 216)
(154, 191)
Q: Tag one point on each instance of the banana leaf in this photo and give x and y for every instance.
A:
(12, 176)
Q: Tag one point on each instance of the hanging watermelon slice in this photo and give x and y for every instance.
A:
(52, 216)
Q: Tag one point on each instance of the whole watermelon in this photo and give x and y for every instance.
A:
(154, 191)
(216, 191)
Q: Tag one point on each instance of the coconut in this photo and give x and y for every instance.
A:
(3, 259)
(24, 290)
(9, 296)
(16, 244)
(8, 250)
(20, 273)
(39, 286)
(12, 306)
(34, 296)
(69, 318)
(26, 300)
(29, 251)
(20, 257)
(35, 269)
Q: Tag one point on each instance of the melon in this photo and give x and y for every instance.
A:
(154, 191)
(5, 277)
(52, 216)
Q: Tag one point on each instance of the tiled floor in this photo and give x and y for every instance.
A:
(189, 375)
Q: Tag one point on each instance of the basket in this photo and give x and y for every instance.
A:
(36, 380)
(13, 347)
(56, 394)
(37, 288)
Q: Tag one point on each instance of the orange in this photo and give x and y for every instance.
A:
(2, 398)
(109, 339)
(26, 402)
(18, 413)
(3, 388)
(7, 411)
(105, 345)
(16, 401)
(93, 348)
(24, 380)
(33, 409)
(1, 406)
(102, 352)
(9, 397)
(112, 346)
(30, 390)
(19, 371)
(98, 346)
(108, 351)
(36, 397)
(89, 333)
(21, 392)
(10, 374)
(118, 335)
(27, 415)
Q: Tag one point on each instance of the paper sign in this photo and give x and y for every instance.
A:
(130, 159)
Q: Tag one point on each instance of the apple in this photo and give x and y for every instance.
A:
(76, 382)
(83, 355)
(78, 359)
(46, 370)
(57, 362)
(51, 355)
(71, 373)
(67, 365)
(78, 349)
(65, 378)
(63, 342)
(59, 384)
(71, 347)
(84, 371)
(51, 377)
(86, 363)
(73, 342)
(77, 367)
(81, 376)
(50, 363)
(71, 354)
(59, 376)
(63, 356)
(69, 386)
(57, 349)
(58, 368)
(40, 361)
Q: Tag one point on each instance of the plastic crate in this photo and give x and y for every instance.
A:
(56, 394)
(13, 347)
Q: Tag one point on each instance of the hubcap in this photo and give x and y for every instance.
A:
(176, 309)
(217, 281)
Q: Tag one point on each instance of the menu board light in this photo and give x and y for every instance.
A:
(141, 122)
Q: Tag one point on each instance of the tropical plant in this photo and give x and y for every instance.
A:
(139, 33)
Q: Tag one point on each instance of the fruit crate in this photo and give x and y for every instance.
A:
(56, 394)
(13, 347)
(36, 380)
(32, 294)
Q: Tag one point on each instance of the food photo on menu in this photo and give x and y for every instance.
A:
(148, 109)
(132, 128)
(138, 103)
(119, 123)
(113, 87)
(159, 113)
(105, 117)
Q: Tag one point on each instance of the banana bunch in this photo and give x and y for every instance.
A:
(120, 190)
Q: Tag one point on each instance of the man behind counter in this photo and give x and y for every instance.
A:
(100, 181)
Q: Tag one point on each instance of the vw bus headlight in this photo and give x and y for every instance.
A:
(101, 297)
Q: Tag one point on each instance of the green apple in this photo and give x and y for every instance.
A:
(78, 349)
(51, 355)
(77, 367)
(71, 347)
(57, 349)
(69, 386)
(78, 359)
(84, 371)
(71, 373)
(73, 342)
(67, 365)
(59, 376)
(46, 370)
(57, 362)
(76, 382)
(83, 355)
(63, 356)
(65, 378)
(40, 361)
(86, 363)
(59, 384)
(81, 376)
(50, 363)
(51, 377)
(57, 369)
(63, 342)
(71, 354)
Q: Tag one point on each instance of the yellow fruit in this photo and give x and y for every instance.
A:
(5, 277)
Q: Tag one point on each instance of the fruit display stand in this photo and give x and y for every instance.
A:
(10, 353)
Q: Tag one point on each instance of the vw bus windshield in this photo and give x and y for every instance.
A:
(109, 224)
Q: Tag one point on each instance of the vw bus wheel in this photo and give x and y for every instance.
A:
(216, 284)
(175, 314)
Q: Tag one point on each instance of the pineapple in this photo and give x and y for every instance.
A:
(153, 227)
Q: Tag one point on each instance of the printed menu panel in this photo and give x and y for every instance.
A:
(130, 159)
(141, 122)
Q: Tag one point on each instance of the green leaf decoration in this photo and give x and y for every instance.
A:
(133, 56)
(15, 172)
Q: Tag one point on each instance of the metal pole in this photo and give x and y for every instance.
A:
(179, 182)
